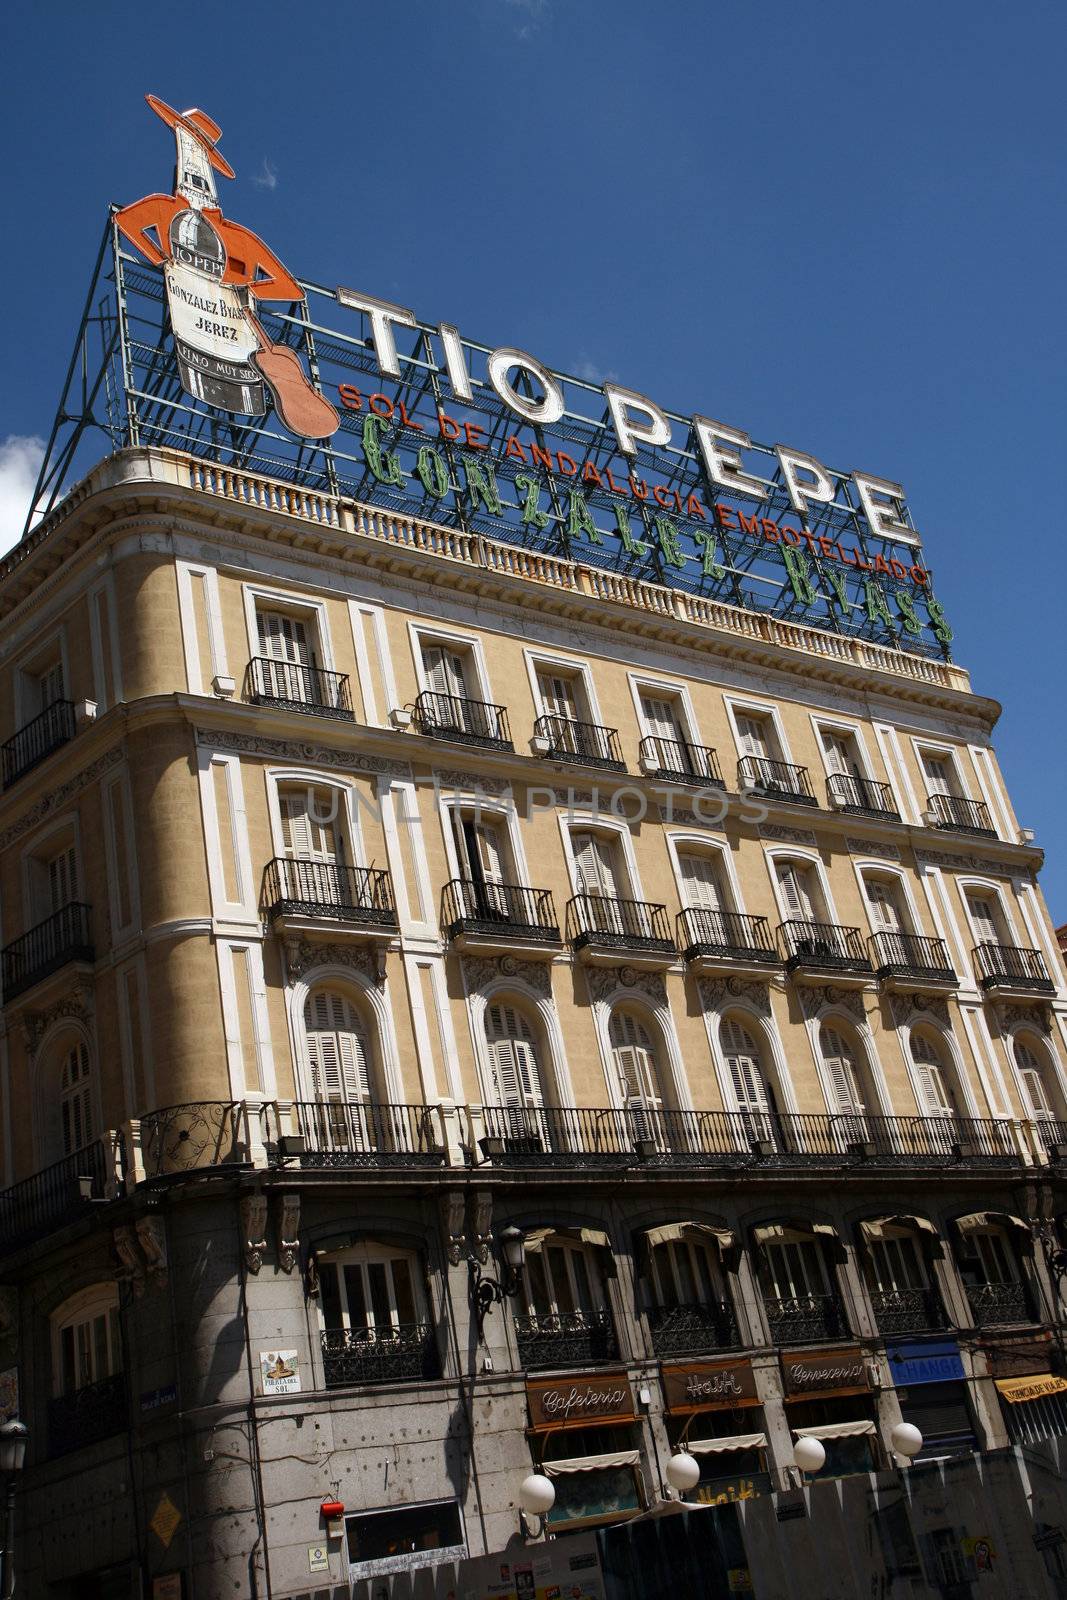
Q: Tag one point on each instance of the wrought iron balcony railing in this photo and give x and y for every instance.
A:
(863, 797)
(500, 911)
(293, 687)
(907, 1311)
(335, 1134)
(1004, 966)
(403, 1354)
(693, 1330)
(52, 1197)
(586, 743)
(726, 935)
(911, 955)
(822, 945)
(952, 811)
(451, 716)
(805, 1318)
(594, 919)
(775, 780)
(65, 936)
(200, 1133)
(677, 761)
(328, 890)
(36, 739)
(995, 1304)
(87, 1415)
(566, 1339)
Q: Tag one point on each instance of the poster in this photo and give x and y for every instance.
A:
(279, 1371)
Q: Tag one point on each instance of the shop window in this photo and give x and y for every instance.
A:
(844, 1427)
(942, 1414)
(596, 1476)
(402, 1537)
(730, 1447)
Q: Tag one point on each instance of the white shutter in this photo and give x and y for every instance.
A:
(752, 735)
(660, 718)
(1029, 1069)
(885, 910)
(839, 757)
(558, 695)
(700, 882)
(743, 1063)
(513, 1055)
(284, 638)
(841, 1070)
(635, 1062)
(940, 773)
(793, 880)
(935, 1096)
(337, 1050)
(490, 851)
(63, 878)
(594, 865)
(983, 918)
(304, 837)
(444, 671)
(76, 1113)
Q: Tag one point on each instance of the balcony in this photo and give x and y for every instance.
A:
(995, 1305)
(601, 930)
(61, 938)
(361, 1135)
(454, 717)
(911, 963)
(806, 1318)
(693, 1330)
(404, 1354)
(822, 949)
(37, 739)
(775, 780)
(861, 797)
(499, 916)
(94, 1412)
(308, 894)
(586, 744)
(1004, 970)
(566, 1339)
(676, 761)
(726, 941)
(957, 815)
(198, 1133)
(898, 1311)
(292, 687)
(53, 1197)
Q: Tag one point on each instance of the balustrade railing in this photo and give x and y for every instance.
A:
(330, 890)
(697, 1329)
(339, 1134)
(862, 796)
(911, 955)
(54, 1196)
(822, 945)
(499, 909)
(703, 932)
(37, 739)
(953, 812)
(401, 1354)
(451, 716)
(622, 924)
(291, 686)
(1006, 966)
(806, 1318)
(995, 1304)
(566, 1339)
(899, 1311)
(585, 742)
(678, 760)
(65, 936)
(776, 780)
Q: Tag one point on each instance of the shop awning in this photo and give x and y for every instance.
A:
(672, 1232)
(535, 1237)
(835, 1430)
(1037, 1387)
(769, 1232)
(878, 1227)
(731, 1441)
(612, 1458)
(975, 1221)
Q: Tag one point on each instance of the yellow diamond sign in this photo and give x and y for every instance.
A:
(165, 1520)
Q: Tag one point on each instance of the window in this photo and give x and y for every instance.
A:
(685, 1272)
(934, 1087)
(54, 881)
(798, 887)
(446, 670)
(987, 1257)
(841, 752)
(513, 1061)
(400, 1537)
(986, 918)
(596, 864)
(289, 669)
(795, 1269)
(483, 853)
(702, 881)
(1036, 1098)
(563, 1279)
(87, 1343)
(313, 824)
(662, 716)
(751, 1093)
(562, 695)
(370, 1290)
(76, 1099)
(939, 770)
(894, 1264)
(884, 900)
(843, 1073)
(636, 1069)
(339, 1063)
(755, 735)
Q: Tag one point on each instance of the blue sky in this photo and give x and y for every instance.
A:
(841, 226)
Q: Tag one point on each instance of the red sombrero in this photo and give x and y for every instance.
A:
(199, 124)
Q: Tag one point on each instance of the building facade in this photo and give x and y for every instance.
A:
(368, 889)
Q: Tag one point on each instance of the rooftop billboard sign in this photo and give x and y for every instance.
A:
(213, 346)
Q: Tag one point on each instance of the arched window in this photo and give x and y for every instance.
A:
(513, 1057)
(753, 1095)
(374, 1316)
(343, 1114)
(1040, 1099)
(86, 1340)
(987, 1254)
(896, 1266)
(843, 1071)
(76, 1098)
(634, 1058)
(567, 1321)
(935, 1089)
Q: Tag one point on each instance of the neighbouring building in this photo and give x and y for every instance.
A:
(375, 882)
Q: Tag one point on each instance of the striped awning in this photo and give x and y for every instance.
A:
(730, 1441)
(611, 1458)
(835, 1430)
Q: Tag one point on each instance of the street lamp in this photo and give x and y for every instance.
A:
(682, 1472)
(13, 1435)
(488, 1292)
(809, 1455)
(906, 1440)
(537, 1496)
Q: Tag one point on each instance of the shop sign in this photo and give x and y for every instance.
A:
(1018, 1358)
(916, 1361)
(1038, 1387)
(809, 1375)
(574, 1402)
(709, 1385)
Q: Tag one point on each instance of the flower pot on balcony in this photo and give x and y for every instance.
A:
(540, 745)
(962, 1151)
(761, 1147)
(860, 1149)
(646, 1149)
(292, 1144)
(650, 766)
(400, 717)
(492, 1147)
(1056, 1152)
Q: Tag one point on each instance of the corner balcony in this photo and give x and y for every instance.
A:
(360, 1135)
(64, 937)
(910, 963)
(898, 1311)
(775, 780)
(586, 744)
(701, 1329)
(726, 941)
(37, 739)
(462, 721)
(305, 896)
(957, 815)
(566, 1339)
(608, 932)
(1006, 972)
(998, 1305)
(290, 686)
(406, 1353)
(494, 917)
(676, 761)
(823, 949)
(861, 797)
(806, 1318)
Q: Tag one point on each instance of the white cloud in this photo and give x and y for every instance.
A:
(267, 177)
(591, 373)
(20, 461)
(534, 11)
